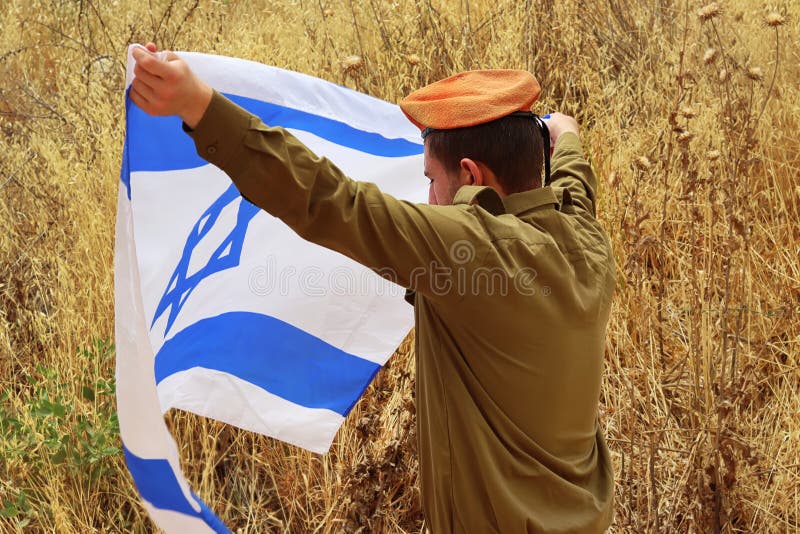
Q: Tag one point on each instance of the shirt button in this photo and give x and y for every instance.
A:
(212, 149)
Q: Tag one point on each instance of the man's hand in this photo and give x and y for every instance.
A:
(558, 123)
(168, 87)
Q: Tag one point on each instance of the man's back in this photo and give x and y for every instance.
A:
(509, 361)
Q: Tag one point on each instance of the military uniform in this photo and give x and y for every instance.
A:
(512, 298)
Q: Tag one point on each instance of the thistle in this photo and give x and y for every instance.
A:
(775, 19)
(755, 73)
(709, 11)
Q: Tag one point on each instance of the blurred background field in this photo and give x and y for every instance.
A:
(690, 113)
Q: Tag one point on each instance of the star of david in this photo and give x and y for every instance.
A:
(226, 256)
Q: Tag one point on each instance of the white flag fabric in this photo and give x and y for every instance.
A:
(221, 310)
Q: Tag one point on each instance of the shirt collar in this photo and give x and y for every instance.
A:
(520, 203)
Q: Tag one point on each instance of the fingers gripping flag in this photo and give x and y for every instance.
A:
(224, 312)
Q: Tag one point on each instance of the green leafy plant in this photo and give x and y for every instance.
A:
(58, 426)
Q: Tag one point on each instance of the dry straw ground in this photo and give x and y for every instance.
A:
(690, 116)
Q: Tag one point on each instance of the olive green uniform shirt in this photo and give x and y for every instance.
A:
(512, 299)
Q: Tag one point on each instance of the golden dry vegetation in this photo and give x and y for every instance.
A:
(690, 114)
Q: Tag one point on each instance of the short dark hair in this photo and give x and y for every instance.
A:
(511, 147)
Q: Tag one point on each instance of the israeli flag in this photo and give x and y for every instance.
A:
(221, 310)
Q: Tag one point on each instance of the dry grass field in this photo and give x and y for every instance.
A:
(691, 113)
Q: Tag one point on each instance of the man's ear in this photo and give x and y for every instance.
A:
(472, 172)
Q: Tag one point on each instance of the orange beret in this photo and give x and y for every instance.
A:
(471, 98)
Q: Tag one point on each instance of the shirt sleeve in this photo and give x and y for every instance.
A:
(571, 170)
(409, 244)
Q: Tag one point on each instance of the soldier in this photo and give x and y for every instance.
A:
(510, 274)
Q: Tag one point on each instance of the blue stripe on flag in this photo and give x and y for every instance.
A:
(159, 144)
(157, 484)
(271, 354)
(334, 131)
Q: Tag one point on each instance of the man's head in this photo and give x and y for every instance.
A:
(505, 154)
(478, 130)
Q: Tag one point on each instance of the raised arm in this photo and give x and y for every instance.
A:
(407, 243)
(570, 169)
